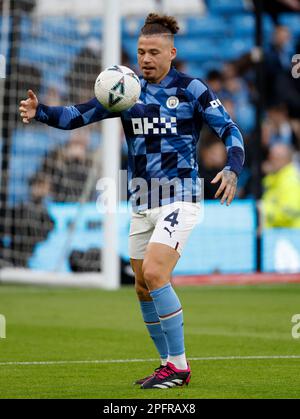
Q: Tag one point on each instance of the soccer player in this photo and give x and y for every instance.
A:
(162, 130)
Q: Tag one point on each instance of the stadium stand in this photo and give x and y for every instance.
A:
(212, 34)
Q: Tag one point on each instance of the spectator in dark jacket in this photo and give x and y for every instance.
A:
(31, 222)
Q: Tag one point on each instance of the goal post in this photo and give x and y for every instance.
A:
(111, 145)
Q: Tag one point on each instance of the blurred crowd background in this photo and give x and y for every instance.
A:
(57, 53)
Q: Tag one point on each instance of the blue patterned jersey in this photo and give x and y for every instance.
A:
(162, 130)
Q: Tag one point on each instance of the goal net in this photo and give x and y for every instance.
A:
(48, 220)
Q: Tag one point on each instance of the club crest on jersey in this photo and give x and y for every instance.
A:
(172, 102)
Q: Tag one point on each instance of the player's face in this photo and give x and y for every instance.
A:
(155, 54)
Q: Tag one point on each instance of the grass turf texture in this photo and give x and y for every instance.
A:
(63, 324)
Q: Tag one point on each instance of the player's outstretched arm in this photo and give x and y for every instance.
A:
(28, 107)
(64, 117)
(227, 187)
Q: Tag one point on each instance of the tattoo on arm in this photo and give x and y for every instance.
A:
(230, 177)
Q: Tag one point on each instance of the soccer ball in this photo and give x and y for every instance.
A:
(117, 88)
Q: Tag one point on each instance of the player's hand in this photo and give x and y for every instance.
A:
(28, 107)
(228, 186)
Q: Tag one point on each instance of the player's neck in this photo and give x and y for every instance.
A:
(157, 81)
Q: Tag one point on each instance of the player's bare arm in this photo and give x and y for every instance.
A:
(28, 107)
(227, 187)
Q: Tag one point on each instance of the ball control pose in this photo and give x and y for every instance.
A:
(162, 130)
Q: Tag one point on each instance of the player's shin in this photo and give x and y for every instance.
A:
(169, 310)
(153, 325)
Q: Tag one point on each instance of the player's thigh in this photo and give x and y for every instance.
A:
(175, 223)
(159, 262)
(141, 229)
(140, 284)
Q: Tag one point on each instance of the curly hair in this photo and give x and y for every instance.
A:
(156, 24)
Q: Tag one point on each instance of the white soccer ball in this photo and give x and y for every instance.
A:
(117, 88)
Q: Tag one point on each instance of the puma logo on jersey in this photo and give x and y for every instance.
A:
(161, 125)
(170, 232)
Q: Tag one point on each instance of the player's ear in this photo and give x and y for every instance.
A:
(173, 53)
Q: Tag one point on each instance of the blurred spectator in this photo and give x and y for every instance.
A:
(281, 198)
(85, 69)
(229, 106)
(212, 159)
(275, 7)
(28, 75)
(280, 86)
(68, 167)
(280, 49)
(125, 60)
(236, 90)
(277, 127)
(31, 222)
(214, 79)
(52, 96)
(26, 6)
(180, 65)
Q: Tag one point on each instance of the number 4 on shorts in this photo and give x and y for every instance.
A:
(172, 218)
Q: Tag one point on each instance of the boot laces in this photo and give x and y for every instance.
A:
(164, 372)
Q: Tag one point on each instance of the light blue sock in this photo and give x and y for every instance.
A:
(169, 310)
(153, 325)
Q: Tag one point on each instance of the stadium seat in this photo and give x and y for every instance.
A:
(184, 8)
(245, 117)
(55, 77)
(215, 64)
(21, 171)
(226, 6)
(130, 46)
(29, 145)
(26, 27)
(137, 7)
(208, 26)
(194, 70)
(200, 70)
(131, 26)
(45, 53)
(268, 25)
(231, 49)
(62, 7)
(194, 49)
(59, 26)
(242, 25)
(292, 21)
(95, 27)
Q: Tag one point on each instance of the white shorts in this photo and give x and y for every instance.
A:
(169, 224)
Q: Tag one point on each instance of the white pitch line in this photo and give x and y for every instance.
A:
(125, 361)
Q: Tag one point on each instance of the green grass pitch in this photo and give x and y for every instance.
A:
(62, 325)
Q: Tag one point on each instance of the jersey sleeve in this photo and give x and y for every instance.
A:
(76, 116)
(215, 115)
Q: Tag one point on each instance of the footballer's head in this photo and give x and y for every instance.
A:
(156, 49)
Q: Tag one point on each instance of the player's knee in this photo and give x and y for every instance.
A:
(142, 292)
(152, 276)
